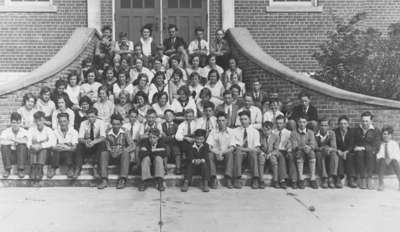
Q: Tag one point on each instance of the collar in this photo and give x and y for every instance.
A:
(111, 132)
(148, 41)
(322, 136)
(302, 131)
(371, 127)
(197, 147)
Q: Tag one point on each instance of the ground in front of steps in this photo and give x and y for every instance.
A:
(88, 209)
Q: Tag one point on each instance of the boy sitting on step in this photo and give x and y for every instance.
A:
(169, 128)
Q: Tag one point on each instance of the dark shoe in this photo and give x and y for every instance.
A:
(96, 173)
(338, 183)
(32, 173)
(262, 185)
(314, 184)
(39, 172)
(50, 172)
(121, 183)
(185, 186)
(363, 184)
(283, 185)
(370, 184)
(77, 172)
(294, 185)
(352, 182)
(21, 173)
(254, 183)
(103, 184)
(237, 184)
(301, 184)
(6, 174)
(70, 173)
(381, 186)
(324, 183)
(213, 183)
(178, 171)
(275, 184)
(142, 186)
(205, 186)
(160, 185)
(229, 184)
(331, 183)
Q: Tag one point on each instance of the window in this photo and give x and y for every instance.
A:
(294, 6)
(28, 6)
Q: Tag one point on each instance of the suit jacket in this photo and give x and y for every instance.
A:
(310, 115)
(235, 109)
(153, 47)
(346, 144)
(263, 96)
(168, 44)
(329, 141)
(371, 140)
(271, 144)
(146, 149)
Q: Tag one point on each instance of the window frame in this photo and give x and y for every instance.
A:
(294, 6)
(28, 6)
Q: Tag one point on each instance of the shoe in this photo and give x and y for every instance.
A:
(39, 171)
(283, 185)
(275, 184)
(294, 185)
(352, 182)
(314, 184)
(254, 183)
(381, 186)
(6, 174)
(121, 183)
(142, 186)
(301, 184)
(262, 185)
(77, 172)
(324, 183)
(178, 171)
(370, 183)
(205, 186)
(103, 184)
(213, 183)
(50, 172)
(338, 183)
(96, 173)
(70, 173)
(21, 173)
(160, 185)
(363, 184)
(229, 184)
(331, 183)
(237, 184)
(185, 186)
(32, 172)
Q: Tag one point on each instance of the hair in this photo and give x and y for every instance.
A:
(280, 117)
(213, 71)
(208, 104)
(343, 117)
(106, 27)
(142, 75)
(256, 80)
(160, 95)
(148, 27)
(194, 56)
(102, 88)
(86, 61)
(219, 29)
(178, 72)
(197, 29)
(248, 95)
(159, 73)
(324, 119)
(86, 99)
(43, 90)
(367, 114)
(273, 101)
(221, 114)
(302, 117)
(268, 124)
(63, 115)
(63, 97)
(233, 58)
(227, 92)
(137, 45)
(92, 110)
(206, 92)
(15, 116)
(151, 111)
(60, 82)
(184, 89)
(172, 26)
(140, 94)
(187, 111)
(235, 86)
(123, 34)
(304, 94)
(90, 71)
(116, 116)
(169, 111)
(133, 110)
(244, 113)
(122, 72)
(389, 129)
(124, 93)
(200, 133)
(73, 73)
(38, 115)
(154, 131)
(28, 96)
(193, 74)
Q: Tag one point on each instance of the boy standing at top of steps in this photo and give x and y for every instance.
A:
(13, 146)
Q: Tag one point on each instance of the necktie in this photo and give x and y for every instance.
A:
(131, 131)
(245, 142)
(229, 114)
(208, 124)
(386, 151)
(199, 44)
(91, 131)
(189, 129)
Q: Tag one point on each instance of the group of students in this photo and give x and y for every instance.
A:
(146, 105)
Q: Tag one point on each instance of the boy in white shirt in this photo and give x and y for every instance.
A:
(199, 46)
(13, 146)
(255, 112)
(208, 122)
(388, 156)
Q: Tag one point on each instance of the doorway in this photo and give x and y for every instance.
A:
(132, 15)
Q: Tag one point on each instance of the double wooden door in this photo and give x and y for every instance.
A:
(132, 15)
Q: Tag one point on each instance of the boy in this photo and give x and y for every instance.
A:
(367, 141)
(184, 134)
(66, 143)
(198, 158)
(172, 43)
(124, 47)
(208, 122)
(270, 150)
(219, 141)
(13, 146)
(326, 154)
(229, 108)
(285, 151)
(255, 112)
(104, 48)
(133, 129)
(306, 110)
(246, 144)
(119, 145)
(199, 46)
(92, 134)
(303, 144)
(150, 123)
(388, 156)
(169, 129)
(152, 153)
(40, 139)
(258, 95)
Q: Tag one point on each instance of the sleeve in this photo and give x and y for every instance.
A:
(207, 47)
(102, 129)
(256, 138)
(381, 153)
(52, 141)
(235, 141)
(4, 140)
(333, 140)
(54, 122)
(81, 133)
(30, 136)
(71, 119)
(258, 120)
(211, 139)
(75, 137)
(293, 141)
(312, 141)
(191, 47)
(179, 133)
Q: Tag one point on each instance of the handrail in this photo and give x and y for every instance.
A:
(73, 48)
(243, 41)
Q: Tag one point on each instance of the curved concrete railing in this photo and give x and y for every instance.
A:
(77, 44)
(243, 41)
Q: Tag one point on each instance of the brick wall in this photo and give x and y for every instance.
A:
(293, 37)
(28, 40)
(215, 17)
(106, 12)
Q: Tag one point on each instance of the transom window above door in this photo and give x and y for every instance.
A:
(184, 4)
(28, 6)
(138, 3)
(294, 6)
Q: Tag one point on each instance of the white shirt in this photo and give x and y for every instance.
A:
(196, 89)
(99, 129)
(217, 90)
(46, 107)
(219, 69)
(170, 71)
(130, 46)
(70, 137)
(105, 110)
(7, 135)
(284, 138)
(153, 90)
(146, 46)
(45, 137)
(194, 45)
(145, 127)
(392, 149)
(177, 107)
(134, 73)
(201, 71)
(253, 137)
(182, 130)
(90, 90)
(73, 93)
(71, 117)
(271, 116)
(27, 116)
(255, 117)
(220, 140)
(134, 130)
(117, 90)
(201, 123)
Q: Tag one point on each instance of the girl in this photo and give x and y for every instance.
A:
(147, 42)
(109, 80)
(234, 79)
(81, 114)
(62, 108)
(59, 91)
(204, 96)
(91, 87)
(157, 87)
(27, 110)
(216, 87)
(123, 105)
(174, 84)
(45, 105)
(139, 69)
(122, 84)
(161, 106)
(73, 89)
(195, 86)
(142, 84)
(233, 68)
(157, 66)
(104, 106)
(212, 64)
(141, 104)
(174, 65)
(195, 67)
(237, 99)
(183, 102)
